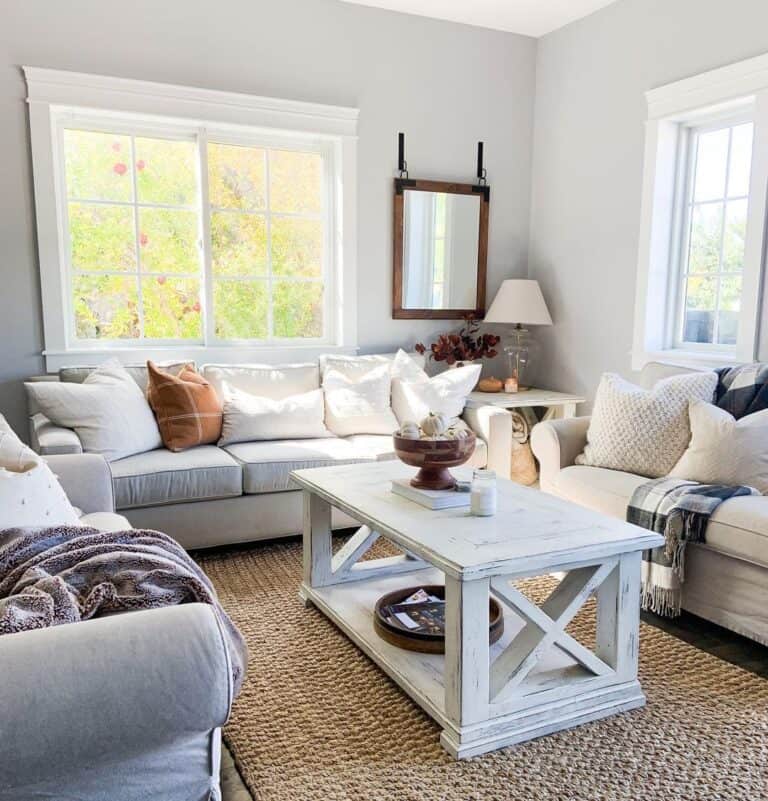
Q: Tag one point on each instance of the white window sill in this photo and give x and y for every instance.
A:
(199, 354)
(685, 358)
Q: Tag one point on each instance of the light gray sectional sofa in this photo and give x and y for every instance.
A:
(726, 579)
(209, 496)
(128, 706)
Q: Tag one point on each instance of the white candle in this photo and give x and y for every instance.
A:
(483, 498)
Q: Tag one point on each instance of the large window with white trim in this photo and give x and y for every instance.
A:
(715, 202)
(177, 235)
(185, 223)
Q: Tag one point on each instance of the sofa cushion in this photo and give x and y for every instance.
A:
(105, 521)
(267, 465)
(738, 527)
(274, 381)
(138, 372)
(161, 476)
(606, 491)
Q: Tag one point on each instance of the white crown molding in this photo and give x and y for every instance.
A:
(712, 88)
(78, 89)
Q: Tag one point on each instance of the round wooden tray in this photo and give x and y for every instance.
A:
(422, 641)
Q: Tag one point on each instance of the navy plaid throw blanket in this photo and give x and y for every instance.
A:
(680, 511)
(742, 390)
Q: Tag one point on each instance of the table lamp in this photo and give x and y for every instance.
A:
(519, 301)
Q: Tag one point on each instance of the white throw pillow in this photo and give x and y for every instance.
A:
(360, 404)
(643, 431)
(30, 494)
(415, 394)
(275, 381)
(355, 366)
(724, 450)
(248, 418)
(108, 411)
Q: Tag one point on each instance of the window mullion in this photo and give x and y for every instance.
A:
(209, 323)
(716, 324)
(136, 238)
(268, 215)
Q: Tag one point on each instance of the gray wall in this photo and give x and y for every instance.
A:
(446, 85)
(588, 160)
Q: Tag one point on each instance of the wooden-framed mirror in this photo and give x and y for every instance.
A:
(440, 249)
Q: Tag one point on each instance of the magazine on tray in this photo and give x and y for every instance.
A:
(420, 612)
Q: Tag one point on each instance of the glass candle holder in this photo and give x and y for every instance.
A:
(483, 494)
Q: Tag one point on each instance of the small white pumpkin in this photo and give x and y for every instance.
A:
(409, 430)
(435, 424)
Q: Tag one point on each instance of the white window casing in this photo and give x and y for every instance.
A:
(59, 98)
(732, 93)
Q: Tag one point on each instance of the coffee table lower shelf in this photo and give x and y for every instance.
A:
(558, 694)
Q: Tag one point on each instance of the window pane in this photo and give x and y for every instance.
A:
(101, 237)
(730, 306)
(98, 166)
(165, 172)
(735, 233)
(706, 231)
(238, 243)
(236, 177)
(168, 241)
(297, 247)
(700, 302)
(297, 308)
(106, 307)
(171, 307)
(741, 160)
(711, 160)
(295, 182)
(240, 309)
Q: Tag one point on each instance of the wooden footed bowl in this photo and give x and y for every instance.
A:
(433, 458)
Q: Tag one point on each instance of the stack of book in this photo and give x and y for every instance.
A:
(432, 499)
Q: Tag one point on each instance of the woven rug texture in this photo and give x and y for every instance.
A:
(318, 721)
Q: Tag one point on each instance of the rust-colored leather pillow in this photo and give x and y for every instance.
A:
(186, 406)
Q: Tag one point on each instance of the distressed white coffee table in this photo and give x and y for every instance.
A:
(537, 678)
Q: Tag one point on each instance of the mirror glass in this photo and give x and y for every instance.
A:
(440, 250)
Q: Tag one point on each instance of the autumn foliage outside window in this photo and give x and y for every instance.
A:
(158, 254)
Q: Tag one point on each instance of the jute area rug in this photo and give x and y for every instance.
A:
(318, 721)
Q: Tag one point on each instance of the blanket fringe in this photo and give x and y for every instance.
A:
(661, 601)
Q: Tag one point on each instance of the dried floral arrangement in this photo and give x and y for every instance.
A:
(467, 345)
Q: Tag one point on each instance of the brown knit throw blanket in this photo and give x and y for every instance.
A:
(64, 574)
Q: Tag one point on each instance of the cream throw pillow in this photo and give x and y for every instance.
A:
(724, 450)
(643, 431)
(415, 394)
(108, 411)
(30, 494)
(359, 404)
(251, 418)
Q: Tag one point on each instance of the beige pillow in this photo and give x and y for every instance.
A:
(359, 404)
(724, 450)
(643, 431)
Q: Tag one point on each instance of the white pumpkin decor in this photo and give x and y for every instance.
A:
(410, 430)
(435, 425)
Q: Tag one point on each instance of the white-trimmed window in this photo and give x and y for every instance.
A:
(168, 236)
(703, 218)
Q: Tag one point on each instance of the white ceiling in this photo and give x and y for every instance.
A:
(529, 17)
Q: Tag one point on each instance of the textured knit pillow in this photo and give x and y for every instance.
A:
(108, 411)
(186, 406)
(724, 450)
(643, 431)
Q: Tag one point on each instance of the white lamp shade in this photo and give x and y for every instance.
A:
(519, 300)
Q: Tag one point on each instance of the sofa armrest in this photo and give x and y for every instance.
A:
(109, 689)
(556, 444)
(86, 479)
(48, 439)
(494, 426)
